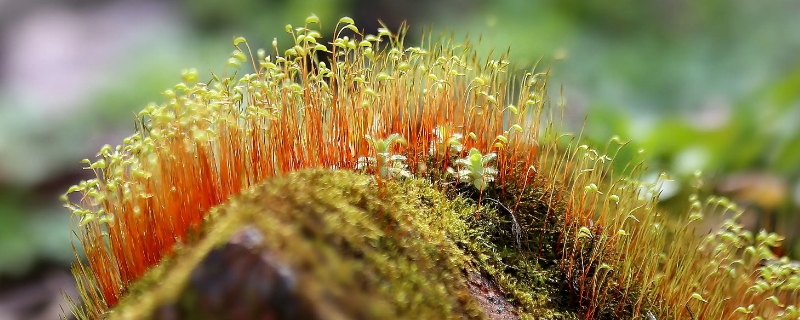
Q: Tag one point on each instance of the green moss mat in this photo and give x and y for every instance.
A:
(357, 250)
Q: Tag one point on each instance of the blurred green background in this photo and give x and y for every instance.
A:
(699, 85)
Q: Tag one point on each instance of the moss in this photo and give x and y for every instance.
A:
(365, 252)
(519, 250)
(372, 252)
(560, 231)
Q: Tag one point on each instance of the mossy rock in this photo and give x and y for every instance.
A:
(333, 244)
(352, 250)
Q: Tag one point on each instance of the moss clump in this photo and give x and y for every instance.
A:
(354, 251)
(516, 250)
(361, 251)
(548, 218)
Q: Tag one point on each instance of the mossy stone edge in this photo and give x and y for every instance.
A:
(360, 250)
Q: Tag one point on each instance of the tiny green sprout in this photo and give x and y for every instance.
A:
(760, 287)
(491, 98)
(369, 53)
(383, 77)
(189, 76)
(312, 19)
(474, 169)
(584, 232)
(100, 164)
(382, 146)
(346, 20)
(321, 47)
(86, 219)
(761, 235)
(353, 28)
(747, 235)
(775, 300)
(300, 51)
(768, 239)
(591, 188)
(388, 165)
(404, 66)
(747, 310)
(792, 311)
(698, 297)
(383, 32)
(751, 250)
(168, 94)
(512, 108)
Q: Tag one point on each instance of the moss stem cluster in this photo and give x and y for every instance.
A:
(553, 213)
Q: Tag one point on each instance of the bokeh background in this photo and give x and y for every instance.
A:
(706, 85)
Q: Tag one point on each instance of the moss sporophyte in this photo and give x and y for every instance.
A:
(350, 187)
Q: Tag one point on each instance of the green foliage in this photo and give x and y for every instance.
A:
(385, 163)
(475, 169)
